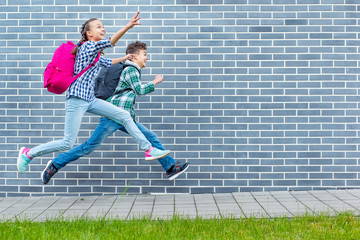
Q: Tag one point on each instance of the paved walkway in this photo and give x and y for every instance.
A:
(238, 205)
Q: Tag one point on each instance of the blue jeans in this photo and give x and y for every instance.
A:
(105, 128)
(75, 110)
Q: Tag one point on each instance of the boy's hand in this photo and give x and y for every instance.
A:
(133, 21)
(158, 79)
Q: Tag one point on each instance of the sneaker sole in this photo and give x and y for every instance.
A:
(178, 174)
(42, 173)
(18, 159)
(154, 158)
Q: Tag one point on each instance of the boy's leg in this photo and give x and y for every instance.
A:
(173, 169)
(165, 162)
(123, 117)
(105, 128)
(106, 109)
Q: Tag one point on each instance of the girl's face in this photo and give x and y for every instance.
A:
(97, 31)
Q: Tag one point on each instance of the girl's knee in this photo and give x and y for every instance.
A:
(127, 117)
(67, 145)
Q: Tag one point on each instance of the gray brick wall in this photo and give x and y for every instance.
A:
(258, 95)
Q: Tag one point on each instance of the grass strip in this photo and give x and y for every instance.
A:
(342, 226)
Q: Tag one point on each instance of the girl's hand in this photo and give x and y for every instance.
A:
(133, 21)
(116, 36)
(130, 57)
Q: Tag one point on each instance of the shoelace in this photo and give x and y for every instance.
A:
(50, 171)
(176, 166)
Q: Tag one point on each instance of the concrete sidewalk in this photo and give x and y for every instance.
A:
(238, 205)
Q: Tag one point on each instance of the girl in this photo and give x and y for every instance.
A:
(80, 96)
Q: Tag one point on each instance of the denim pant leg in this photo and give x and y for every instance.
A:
(106, 109)
(165, 162)
(75, 110)
(105, 128)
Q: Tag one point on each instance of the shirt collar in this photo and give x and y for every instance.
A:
(127, 62)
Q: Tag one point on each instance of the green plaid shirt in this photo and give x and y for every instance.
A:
(130, 80)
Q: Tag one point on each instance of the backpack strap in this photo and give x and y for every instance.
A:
(126, 89)
(87, 68)
(125, 66)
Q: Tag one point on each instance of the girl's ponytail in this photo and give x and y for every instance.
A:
(84, 28)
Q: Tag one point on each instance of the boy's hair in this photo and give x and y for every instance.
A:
(134, 47)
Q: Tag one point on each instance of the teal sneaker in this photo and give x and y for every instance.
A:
(23, 159)
(154, 153)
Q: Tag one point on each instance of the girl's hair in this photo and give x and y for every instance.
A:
(134, 47)
(84, 28)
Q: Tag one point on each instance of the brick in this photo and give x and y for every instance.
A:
(294, 94)
(202, 190)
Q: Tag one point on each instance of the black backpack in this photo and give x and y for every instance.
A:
(108, 79)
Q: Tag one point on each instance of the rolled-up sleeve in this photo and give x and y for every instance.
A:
(105, 62)
(132, 77)
(93, 48)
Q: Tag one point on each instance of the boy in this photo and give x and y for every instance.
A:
(128, 88)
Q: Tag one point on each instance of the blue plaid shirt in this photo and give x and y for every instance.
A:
(83, 87)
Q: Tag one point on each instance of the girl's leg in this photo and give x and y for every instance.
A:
(165, 162)
(105, 128)
(75, 109)
(106, 109)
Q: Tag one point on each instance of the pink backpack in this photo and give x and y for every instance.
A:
(59, 73)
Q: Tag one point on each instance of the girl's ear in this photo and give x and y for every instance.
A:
(88, 34)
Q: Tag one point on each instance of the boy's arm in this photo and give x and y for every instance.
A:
(132, 77)
(158, 79)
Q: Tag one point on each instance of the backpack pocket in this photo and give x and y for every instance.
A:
(48, 73)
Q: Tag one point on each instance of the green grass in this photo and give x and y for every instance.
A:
(343, 226)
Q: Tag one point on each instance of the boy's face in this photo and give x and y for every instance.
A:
(141, 58)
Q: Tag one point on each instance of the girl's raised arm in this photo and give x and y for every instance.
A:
(134, 21)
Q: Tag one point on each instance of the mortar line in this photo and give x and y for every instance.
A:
(27, 208)
(153, 206)
(46, 209)
(12, 204)
(132, 206)
(260, 204)
(343, 201)
(352, 194)
(232, 194)
(197, 212)
(89, 207)
(117, 196)
(69, 207)
(306, 207)
(313, 212)
(217, 206)
(281, 204)
(323, 202)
